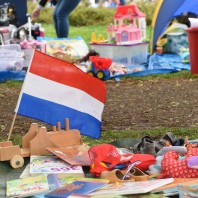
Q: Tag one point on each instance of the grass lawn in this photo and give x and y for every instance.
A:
(85, 31)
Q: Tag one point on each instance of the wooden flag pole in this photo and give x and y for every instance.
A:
(11, 128)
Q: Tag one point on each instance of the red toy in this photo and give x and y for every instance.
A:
(99, 67)
(171, 166)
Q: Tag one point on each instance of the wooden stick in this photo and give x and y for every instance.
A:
(11, 128)
(54, 128)
(59, 126)
(66, 124)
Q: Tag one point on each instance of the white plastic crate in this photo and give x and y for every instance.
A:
(130, 55)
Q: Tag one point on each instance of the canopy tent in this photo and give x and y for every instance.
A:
(167, 10)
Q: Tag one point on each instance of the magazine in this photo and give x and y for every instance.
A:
(73, 157)
(27, 186)
(53, 165)
(132, 187)
(77, 187)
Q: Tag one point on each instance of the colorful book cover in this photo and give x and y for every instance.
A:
(76, 48)
(77, 187)
(53, 165)
(27, 186)
(132, 187)
(73, 157)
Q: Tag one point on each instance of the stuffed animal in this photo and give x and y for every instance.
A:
(171, 166)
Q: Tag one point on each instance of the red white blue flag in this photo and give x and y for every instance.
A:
(54, 90)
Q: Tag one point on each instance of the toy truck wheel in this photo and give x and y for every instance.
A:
(17, 161)
(100, 74)
(91, 73)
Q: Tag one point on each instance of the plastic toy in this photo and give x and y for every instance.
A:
(99, 67)
(129, 25)
(99, 39)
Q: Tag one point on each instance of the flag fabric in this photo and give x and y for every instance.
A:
(54, 90)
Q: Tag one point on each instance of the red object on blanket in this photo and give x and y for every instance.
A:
(171, 166)
(105, 156)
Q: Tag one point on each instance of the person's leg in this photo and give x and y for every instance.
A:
(61, 14)
(122, 2)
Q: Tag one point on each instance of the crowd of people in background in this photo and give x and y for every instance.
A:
(112, 3)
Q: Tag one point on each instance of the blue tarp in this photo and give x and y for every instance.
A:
(158, 64)
(12, 75)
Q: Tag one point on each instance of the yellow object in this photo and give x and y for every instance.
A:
(99, 39)
(161, 42)
(93, 37)
(156, 12)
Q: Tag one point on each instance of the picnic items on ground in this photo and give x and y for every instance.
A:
(108, 164)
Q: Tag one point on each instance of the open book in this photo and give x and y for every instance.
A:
(132, 187)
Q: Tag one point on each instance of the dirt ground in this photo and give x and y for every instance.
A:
(130, 104)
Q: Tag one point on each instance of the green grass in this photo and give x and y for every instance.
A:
(85, 32)
(109, 136)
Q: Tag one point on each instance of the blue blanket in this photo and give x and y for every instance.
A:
(157, 64)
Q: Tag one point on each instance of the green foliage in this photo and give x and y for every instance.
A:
(91, 16)
(148, 8)
(83, 15)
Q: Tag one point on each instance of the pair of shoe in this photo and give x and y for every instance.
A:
(117, 175)
(149, 146)
(138, 175)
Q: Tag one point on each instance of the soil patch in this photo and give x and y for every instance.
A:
(130, 104)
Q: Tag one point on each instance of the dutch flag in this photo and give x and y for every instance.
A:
(54, 90)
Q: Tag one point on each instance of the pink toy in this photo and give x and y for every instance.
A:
(129, 25)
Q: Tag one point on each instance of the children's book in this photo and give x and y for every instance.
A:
(73, 157)
(77, 187)
(125, 188)
(53, 165)
(27, 186)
